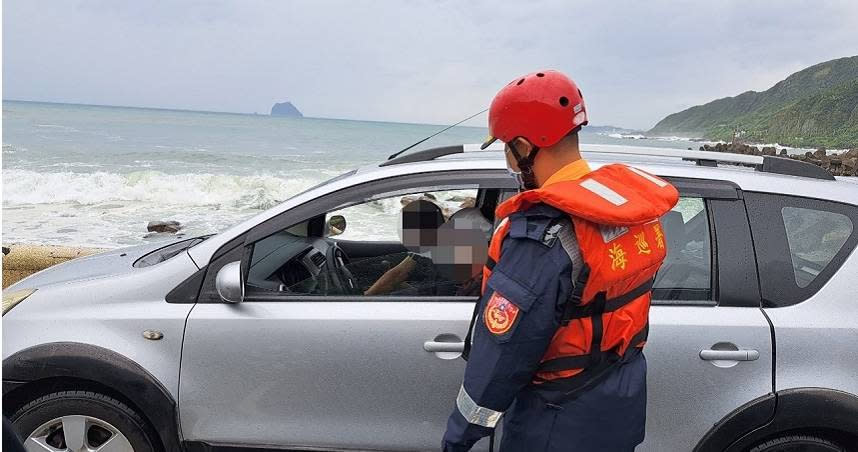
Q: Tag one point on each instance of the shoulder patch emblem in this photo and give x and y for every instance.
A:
(500, 314)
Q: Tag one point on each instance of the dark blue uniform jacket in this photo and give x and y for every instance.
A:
(534, 273)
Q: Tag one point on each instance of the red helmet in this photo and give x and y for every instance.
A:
(541, 107)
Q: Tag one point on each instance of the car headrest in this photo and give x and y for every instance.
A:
(470, 218)
(674, 230)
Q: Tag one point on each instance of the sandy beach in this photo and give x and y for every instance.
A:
(20, 261)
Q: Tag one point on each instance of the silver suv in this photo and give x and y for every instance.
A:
(261, 337)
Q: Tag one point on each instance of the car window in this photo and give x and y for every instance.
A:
(427, 243)
(378, 220)
(686, 273)
(814, 238)
(799, 243)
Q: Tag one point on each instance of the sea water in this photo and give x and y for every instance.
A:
(95, 176)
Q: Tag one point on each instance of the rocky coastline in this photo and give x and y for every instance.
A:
(843, 164)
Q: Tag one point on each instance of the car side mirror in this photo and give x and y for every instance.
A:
(336, 225)
(229, 284)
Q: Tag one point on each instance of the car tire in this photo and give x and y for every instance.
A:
(798, 443)
(83, 418)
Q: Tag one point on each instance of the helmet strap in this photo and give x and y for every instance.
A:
(525, 165)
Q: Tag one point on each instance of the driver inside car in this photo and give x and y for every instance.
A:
(443, 259)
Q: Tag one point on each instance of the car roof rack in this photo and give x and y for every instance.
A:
(762, 163)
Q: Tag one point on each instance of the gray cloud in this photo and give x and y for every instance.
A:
(420, 61)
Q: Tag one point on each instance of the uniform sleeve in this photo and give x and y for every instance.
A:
(518, 316)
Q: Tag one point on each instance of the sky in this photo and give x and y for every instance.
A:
(411, 61)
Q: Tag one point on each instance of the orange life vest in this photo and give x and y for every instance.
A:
(615, 211)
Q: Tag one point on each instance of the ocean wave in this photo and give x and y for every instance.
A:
(73, 165)
(638, 136)
(218, 190)
(200, 156)
(673, 138)
(57, 126)
(627, 136)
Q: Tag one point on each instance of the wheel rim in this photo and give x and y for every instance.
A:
(77, 433)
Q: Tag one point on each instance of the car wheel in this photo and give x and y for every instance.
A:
(82, 421)
(798, 443)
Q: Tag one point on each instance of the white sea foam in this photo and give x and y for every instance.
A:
(58, 127)
(22, 187)
(671, 138)
(627, 136)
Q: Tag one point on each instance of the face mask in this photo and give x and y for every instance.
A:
(525, 178)
(519, 180)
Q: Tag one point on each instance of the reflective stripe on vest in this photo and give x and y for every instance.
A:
(474, 413)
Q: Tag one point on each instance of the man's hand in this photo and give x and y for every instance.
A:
(391, 279)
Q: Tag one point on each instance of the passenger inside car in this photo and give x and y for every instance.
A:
(444, 258)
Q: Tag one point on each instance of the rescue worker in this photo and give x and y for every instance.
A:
(563, 316)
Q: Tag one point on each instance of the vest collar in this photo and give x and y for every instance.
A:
(572, 171)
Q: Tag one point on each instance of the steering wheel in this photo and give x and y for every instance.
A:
(342, 277)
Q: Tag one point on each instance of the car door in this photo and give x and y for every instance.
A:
(710, 345)
(808, 247)
(330, 372)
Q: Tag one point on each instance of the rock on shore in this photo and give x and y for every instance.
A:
(164, 226)
(845, 164)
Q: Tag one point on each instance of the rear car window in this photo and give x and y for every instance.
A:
(686, 273)
(800, 243)
(814, 238)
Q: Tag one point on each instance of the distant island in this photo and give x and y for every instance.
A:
(815, 107)
(285, 109)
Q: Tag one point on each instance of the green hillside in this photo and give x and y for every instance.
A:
(817, 106)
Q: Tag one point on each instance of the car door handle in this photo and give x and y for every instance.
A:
(435, 347)
(729, 355)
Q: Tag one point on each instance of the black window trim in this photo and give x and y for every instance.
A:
(276, 297)
(195, 288)
(707, 189)
(737, 282)
(713, 269)
(711, 191)
(482, 178)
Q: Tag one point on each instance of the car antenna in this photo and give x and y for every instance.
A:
(392, 156)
